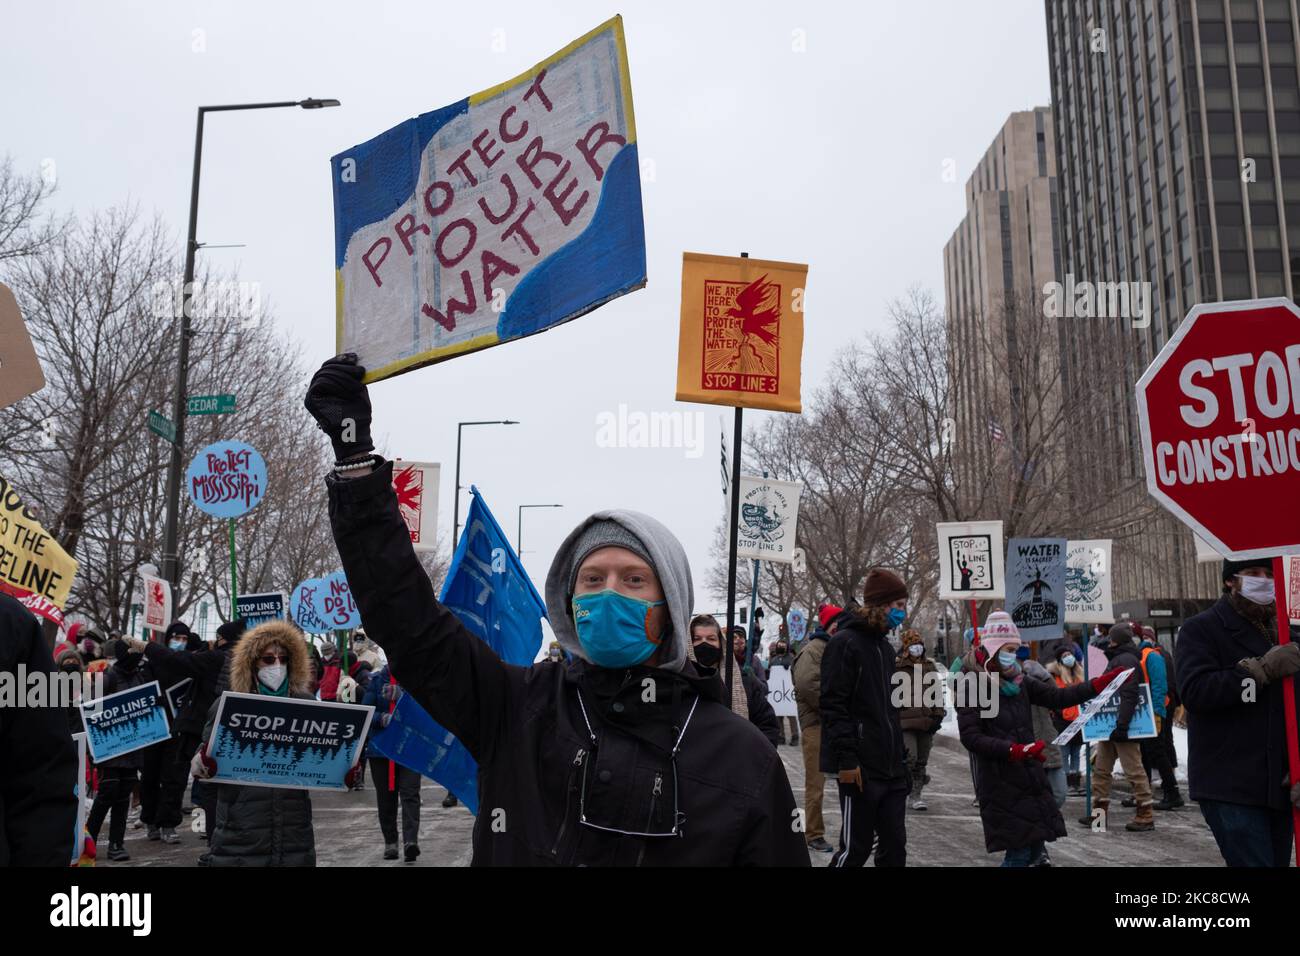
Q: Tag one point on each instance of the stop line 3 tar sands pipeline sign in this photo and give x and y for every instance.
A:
(496, 217)
(1220, 415)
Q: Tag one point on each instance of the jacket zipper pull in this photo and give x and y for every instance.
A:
(578, 757)
(659, 785)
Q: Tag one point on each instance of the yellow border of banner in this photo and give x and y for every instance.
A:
(625, 82)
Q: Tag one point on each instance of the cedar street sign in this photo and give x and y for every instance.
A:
(210, 404)
(162, 426)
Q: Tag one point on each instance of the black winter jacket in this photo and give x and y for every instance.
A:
(261, 826)
(38, 760)
(525, 727)
(1016, 803)
(1121, 658)
(204, 667)
(860, 723)
(1236, 747)
(118, 678)
(761, 714)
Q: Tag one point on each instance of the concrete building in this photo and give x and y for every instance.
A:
(1177, 135)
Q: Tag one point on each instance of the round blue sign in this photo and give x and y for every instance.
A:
(227, 479)
(301, 607)
(796, 622)
(333, 602)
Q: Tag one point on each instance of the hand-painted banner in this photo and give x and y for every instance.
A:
(1036, 587)
(1102, 723)
(157, 602)
(741, 339)
(971, 560)
(496, 217)
(302, 607)
(34, 568)
(415, 740)
(285, 742)
(780, 691)
(129, 720)
(1087, 582)
(416, 486)
(796, 623)
(769, 511)
(332, 602)
(227, 479)
(257, 609)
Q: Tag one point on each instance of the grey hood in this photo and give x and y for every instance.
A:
(669, 559)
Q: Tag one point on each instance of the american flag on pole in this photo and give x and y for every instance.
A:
(995, 431)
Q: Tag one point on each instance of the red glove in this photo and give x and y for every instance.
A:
(1021, 752)
(352, 777)
(1099, 683)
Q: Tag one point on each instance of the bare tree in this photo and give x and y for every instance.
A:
(22, 232)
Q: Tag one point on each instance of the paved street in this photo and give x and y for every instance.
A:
(948, 834)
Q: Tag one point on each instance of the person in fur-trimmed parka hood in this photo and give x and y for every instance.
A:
(262, 826)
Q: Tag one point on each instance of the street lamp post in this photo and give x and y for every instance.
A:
(170, 558)
(519, 531)
(455, 521)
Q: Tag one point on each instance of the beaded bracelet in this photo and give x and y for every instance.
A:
(369, 462)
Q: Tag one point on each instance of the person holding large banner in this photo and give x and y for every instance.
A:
(38, 760)
(1230, 673)
(594, 762)
(262, 826)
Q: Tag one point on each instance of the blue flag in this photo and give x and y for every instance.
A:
(488, 589)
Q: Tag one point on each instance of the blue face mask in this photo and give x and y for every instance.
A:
(1007, 658)
(614, 628)
(897, 616)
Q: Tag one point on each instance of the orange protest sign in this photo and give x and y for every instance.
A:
(742, 332)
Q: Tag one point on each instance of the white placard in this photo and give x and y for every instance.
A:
(972, 561)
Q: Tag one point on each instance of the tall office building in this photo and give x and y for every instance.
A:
(1005, 246)
(1177, 132)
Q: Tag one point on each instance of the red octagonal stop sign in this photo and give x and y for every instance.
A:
(1220, 413)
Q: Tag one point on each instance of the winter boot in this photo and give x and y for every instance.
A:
(412, 851)
(168, 835)
(154, 833)
(1173, 800)
(1103, 806)
(1145, 819)
(449, 800)
(117, 852)
(390, 851)
(1072, 781)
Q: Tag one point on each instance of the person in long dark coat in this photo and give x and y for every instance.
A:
(1017, 807)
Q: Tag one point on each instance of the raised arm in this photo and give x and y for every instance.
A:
(453, 674)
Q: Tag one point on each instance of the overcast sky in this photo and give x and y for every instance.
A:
(831, 156)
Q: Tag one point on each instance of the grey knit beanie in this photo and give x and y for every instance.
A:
(605, 534)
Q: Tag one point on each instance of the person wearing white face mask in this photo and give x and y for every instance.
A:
(1066, 671)
(1231, 671)
(914, 693)
(262, 826)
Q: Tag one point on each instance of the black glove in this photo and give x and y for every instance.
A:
(1119, 734)
(339, 402)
